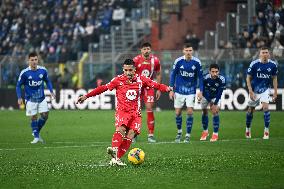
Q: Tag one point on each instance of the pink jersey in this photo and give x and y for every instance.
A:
(147, 67)
(128, 94)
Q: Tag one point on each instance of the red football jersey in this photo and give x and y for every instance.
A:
(128, 93)
(147, 67)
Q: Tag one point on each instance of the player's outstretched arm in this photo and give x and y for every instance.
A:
(153, 84)
(94, 92)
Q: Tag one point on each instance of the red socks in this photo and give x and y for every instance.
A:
(150, 122)
(126, 143)
(117, 139)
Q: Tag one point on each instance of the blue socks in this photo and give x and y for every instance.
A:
(205, 122)
(41, 122)
(179, 121)
(34, 126)
(266, 117)
(216, 122)
(189, 122)
(249, 119)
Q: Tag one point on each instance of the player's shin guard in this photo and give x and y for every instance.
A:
(126, 143)
(34, 126)
(189, 122)
(266, 117)
(40, 122)
(179, 122)
(249, 119)
(150, 122)
(117, 139)
(205, 122)
(216, 123)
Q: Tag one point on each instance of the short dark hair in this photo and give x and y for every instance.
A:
(128, 61)
(264, 48)
(187, 45)
(214, 65)
(146, 44)
(32, 54)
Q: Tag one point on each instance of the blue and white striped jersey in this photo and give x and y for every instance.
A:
(184, 75)
(213, 88)
(262, 74)
(33, 81)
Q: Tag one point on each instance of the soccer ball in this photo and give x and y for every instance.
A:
(136, 156)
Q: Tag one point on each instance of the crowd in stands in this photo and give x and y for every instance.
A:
(267, 29)
(57, 29)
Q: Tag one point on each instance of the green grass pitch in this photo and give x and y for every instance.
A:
(74, 155)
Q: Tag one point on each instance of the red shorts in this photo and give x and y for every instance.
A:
(129, 119)
(149, 95)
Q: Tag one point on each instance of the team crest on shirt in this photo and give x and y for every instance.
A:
(30, 77)
(258, 69)
(145, 73)
(131, 94)
(181, 67)
(268, 69)
(193, 67)
(40, 76)
(216, 84)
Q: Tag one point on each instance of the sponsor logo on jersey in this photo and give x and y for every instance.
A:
(186, 74)
(145, 62)
(262, 75)
(33, 83)
(131, 94)
(145, 73)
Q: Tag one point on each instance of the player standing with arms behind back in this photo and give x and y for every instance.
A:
(213, 86)
(33, 78)
(128, 111)
(259, 76)
(186, 70)
(149, 65)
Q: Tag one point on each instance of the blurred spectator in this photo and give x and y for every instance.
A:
(66, 79)
(118, 15)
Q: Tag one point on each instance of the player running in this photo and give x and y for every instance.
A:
(213, 84)
(259, 76)
(33, 78)
(128, 111)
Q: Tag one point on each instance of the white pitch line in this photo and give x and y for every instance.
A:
(101, 144)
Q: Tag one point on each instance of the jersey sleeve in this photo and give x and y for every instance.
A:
(20, 82)
(174, 73)
(48, 82)
(200, 76)
(153, 84)
(250, 69)
(221, 88)
(275, 70)
(157, 65)
(112, 84)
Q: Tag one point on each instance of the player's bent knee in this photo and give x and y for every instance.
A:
(131, 134)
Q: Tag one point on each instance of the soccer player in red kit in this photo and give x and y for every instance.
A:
(149, 65)
(128, 87)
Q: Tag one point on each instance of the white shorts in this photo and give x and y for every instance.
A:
(262, 97)
(32, 108)
(180, 99)
(204, 102)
